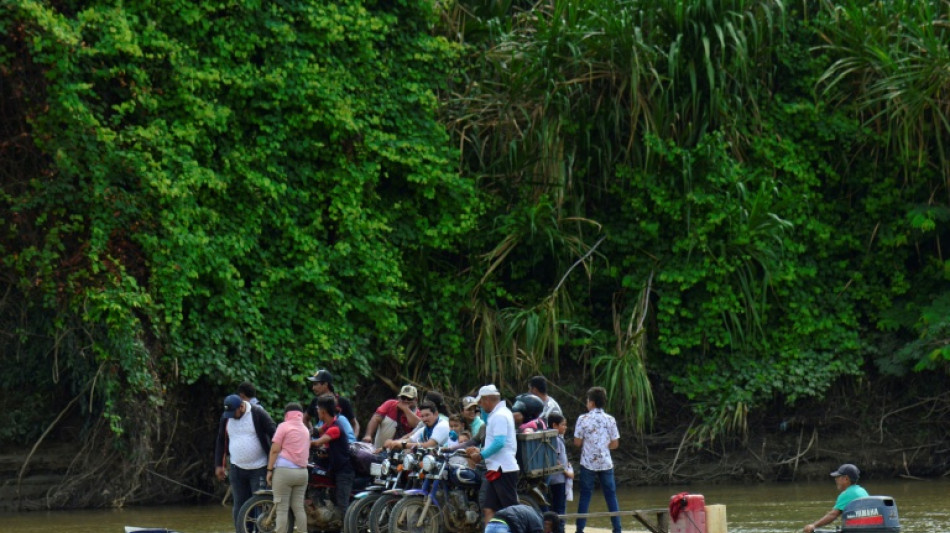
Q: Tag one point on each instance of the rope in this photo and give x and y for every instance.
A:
(170, 480)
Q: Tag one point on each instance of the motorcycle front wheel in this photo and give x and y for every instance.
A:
(357, 514)
(259, 515)
(410, 515)
(379, 513)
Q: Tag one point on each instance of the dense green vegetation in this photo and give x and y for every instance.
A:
(740, 201)
(769, 181)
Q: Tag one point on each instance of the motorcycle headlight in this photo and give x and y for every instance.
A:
(428, 463)
(408, 461)
(384, 469)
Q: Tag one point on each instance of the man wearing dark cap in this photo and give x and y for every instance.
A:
(322, 383)
(246, 441)
(846, 479)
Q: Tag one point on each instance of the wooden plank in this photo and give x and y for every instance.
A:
(655, 520)
(603, 514)
(659, 525)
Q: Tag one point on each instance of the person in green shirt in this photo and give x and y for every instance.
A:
(846, 479)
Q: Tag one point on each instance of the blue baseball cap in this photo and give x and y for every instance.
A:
(231, 404)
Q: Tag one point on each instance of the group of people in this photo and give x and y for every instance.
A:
(259, 451)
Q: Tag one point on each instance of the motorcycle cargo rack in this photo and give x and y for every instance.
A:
(537, 453)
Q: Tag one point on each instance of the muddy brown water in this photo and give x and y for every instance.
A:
(924, 507)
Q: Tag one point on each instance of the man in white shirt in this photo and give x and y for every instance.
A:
(246, 440)
(500, 486)
(432, 432)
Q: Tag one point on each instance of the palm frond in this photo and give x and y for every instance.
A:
(624, 372)
(892, 67)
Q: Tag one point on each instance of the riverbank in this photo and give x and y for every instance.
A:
(888, 435)
(29, 476)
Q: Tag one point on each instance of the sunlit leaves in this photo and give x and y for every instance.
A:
(247, 183)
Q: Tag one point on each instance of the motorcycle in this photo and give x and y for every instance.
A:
(448, 498)
(405, 477)
(446, 501)
(259, 512)
(385, 472)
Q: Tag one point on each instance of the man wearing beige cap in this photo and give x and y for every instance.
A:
(500, 485)
(471, 414)
(393, 418)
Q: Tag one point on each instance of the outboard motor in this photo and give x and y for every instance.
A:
(874, 514)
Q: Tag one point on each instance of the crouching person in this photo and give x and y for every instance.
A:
(515, 519)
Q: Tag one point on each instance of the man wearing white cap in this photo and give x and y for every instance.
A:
(500, 486)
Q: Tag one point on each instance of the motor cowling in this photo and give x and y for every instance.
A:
(873, 514)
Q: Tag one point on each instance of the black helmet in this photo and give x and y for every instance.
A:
(529, 405)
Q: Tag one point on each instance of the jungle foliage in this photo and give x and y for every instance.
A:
(742, 200)
(199, 193)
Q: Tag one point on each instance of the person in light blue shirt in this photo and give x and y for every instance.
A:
(846, 479)
(500, 484)
(344, 423)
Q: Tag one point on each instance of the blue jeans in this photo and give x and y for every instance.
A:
(344, 486)
(609, 487)
(497, 527)
(244, 483)
(558, 494)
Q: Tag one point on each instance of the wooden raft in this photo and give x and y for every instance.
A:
(655, 520)
(658, 520)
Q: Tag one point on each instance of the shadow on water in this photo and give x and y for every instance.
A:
(924, 507)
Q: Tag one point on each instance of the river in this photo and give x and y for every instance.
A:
(924, 507)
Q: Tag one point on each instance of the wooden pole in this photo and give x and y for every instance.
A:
(716, 519)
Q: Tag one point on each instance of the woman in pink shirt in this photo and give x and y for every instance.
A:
(287, 466)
